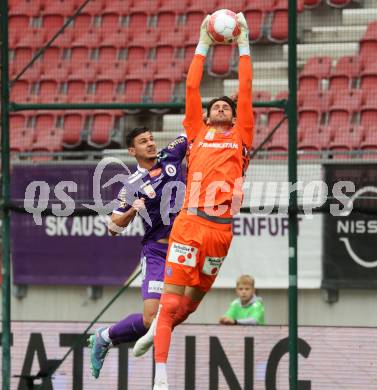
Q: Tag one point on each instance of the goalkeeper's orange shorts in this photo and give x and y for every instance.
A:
(197, 249)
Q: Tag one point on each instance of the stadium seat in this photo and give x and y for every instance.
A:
(221, 60)
(51, 24)
(347, 69)
(49, 140)
(178, 7)
(73, 124)
(107, 55)
(91, 39)
(368, 44)
(255, 14)
(370, 143)
(34, 39)
(82, 22)
(312, 139)
(110, 22)
(22, 56)
(76, 90)
(312, 3)
(207, 7)
(189, 54)
(61, 7)
(176, 38)
(19, 91)
(21, 139)
(134, 90)
(368, 111)
(237, 5)
(151, 7)
(24, 7)
(165, 80)
(166, 21)
(368, 77)
(338, 3)
(52, 56)
(138, 22)
(147, 38)
(115, 71)
(309, 117)
(278, 31)
(105, 90)
(315, 69)
(274, 117)
(44, 124)
(279, 142)
(116, 38)
(194, 20)
(344, 140)
(164, 54)
(92, 7)
(17, 25)
(102, 127)
(47, 91)
(345, 104)
(79, 56)
(118, 6)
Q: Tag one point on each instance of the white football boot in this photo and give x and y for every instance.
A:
(161, 385)
(145, 342)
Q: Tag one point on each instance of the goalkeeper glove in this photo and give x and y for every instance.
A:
(205, 40)
(243, 38)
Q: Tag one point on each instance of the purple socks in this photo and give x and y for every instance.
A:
(129, 329)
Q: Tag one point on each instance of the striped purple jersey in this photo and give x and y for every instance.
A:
(162, 187)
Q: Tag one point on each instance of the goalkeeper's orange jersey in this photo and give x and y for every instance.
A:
(217, 161)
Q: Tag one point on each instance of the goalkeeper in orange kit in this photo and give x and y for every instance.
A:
(202, 232)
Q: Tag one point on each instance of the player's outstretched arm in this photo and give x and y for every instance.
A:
(245, 116)
(193, 121)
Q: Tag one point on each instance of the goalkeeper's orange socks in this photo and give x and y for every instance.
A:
(186, 307)
(169, 305)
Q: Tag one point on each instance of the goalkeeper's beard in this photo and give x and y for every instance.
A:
(221, 122)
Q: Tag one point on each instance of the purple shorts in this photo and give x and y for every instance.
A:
(153, 257)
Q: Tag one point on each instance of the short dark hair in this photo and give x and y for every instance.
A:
(224, 99)
(134, 133)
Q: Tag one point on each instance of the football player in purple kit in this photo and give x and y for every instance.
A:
(155, 192)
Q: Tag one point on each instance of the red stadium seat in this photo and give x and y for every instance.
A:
(370, 142)
(312, 3)
(194, 20)
(368, 111)
(274, 117)
(118, 6)
(91, 39)
(79, 56)
(162, 90)
(347, 69)
(25, 7)
(19, 91)
(47, 91)
(116, 38)
(176, 38)
(17, 25)
(147, 38)
(368, 44)
(309, 117)
(61, 7)
(368, 77)
(76, 90)
(166, 21)
(52, 56)
(51, 24)
(116, 72)
(138, 22)
(34, 39)
(110, 22)
(279, 24)
(237, 5)
(92, 7)
(83, 22)
(315, 69)
(338, 3)
(199, 5)
(21, 139)
(345, 139)
(344, 106)
(101, 129)
(134, 90)
(255, 14)
(49, 140)
(313, 139)
(148, 6)
(107, 55)
(136, 54)
(279, 142)
(165, 54)
(105, 90)
(221, 60)
(178, 7)
(188, 56)
(72, 128)
(22, 56)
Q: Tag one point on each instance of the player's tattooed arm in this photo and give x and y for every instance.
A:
(120, 221)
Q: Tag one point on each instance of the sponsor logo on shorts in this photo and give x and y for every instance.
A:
(183, 254)
(212, 265)
(170, 170)
(155, 286)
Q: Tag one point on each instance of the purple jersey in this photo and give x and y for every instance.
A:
(162, 187)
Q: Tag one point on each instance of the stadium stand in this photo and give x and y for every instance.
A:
(141, 53)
